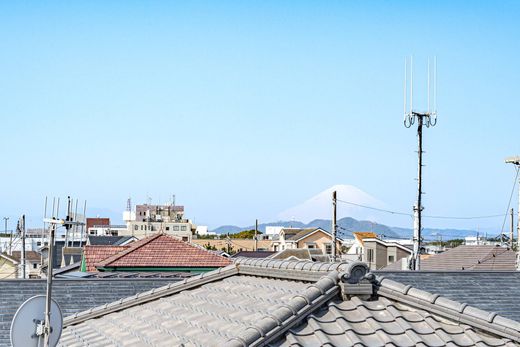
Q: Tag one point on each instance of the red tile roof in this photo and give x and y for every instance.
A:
(162, 250)
(96, 254)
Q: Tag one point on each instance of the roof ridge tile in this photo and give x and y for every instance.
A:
(442, 306)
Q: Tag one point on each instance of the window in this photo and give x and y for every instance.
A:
(370, 255)
(183, 228)
(328, 249)
(391, 258)
(38, 243)
(184, 238)
(136, 227)
(35, 266)
(92, 232)
(167, 228)
(176, 228)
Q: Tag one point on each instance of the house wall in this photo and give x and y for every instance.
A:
(381, 256)
(320, 240)
(7, 269)
(401, 254)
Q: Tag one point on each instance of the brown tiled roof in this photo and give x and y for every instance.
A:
(481, 257)
(96, 254)
(29, 256)
(360, 235)
(162, 250)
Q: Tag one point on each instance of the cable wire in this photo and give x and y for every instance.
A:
(509, 203)
(424, 216)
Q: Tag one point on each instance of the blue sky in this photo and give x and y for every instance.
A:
(244, 109)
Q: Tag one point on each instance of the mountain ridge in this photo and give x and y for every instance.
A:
(347, 225)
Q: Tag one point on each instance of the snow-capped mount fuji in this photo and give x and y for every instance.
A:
(320, 205)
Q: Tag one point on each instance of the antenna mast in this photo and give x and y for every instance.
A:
(428, 118)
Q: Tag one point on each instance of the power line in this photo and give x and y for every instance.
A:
(425, 216)
(510, 198)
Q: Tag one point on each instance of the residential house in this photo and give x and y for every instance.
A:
(367, 247)
(261, 302)
(11, 265)
(468, 258)
(159, 252)
(293, 238)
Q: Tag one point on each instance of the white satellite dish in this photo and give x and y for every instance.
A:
(27, 319)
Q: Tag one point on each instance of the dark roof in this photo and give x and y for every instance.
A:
(253, 254)
(265, 302)
(481, 257)
(490, 291)
(57, 251)
(107, 240)
(29, 256)
(72, 295)
(124, 274)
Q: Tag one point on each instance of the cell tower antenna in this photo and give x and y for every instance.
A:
(428, 118)
(129, 204)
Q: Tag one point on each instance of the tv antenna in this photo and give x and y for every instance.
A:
(428, 119)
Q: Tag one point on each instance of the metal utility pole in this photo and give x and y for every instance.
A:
(511, 230)
(11, 236)
(47, 323)
(334, 224)
(256, 235)
(22, 231)
(516, 161)
(427, 119)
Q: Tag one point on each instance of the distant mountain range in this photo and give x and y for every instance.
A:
(348, 225)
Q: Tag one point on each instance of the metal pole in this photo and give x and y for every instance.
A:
(334, 225)
(518, 223)
(10, 236)
(22, 230)
(511, 229)
(256, 235)
(47, 324)
(416, 261)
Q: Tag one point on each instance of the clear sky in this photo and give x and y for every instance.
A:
(244, 109)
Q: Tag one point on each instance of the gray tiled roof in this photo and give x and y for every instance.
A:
(381, 322)
(490, 291)
(478, 257)
(72, 295)
(272, 302)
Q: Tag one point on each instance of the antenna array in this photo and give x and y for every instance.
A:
(428, 119)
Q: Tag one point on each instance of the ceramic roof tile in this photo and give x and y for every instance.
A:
(96, 254)
(244, 309)
(162, 250)
(489, 291)
(478, 257)
(211, 313)
(344, 326)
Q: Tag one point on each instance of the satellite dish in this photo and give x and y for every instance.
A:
(27, 319)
